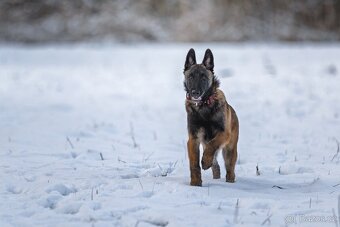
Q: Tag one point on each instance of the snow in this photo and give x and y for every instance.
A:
(94, 135)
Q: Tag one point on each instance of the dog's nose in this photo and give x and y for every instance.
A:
(195, 93)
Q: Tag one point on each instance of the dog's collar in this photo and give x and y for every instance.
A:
(209, 101)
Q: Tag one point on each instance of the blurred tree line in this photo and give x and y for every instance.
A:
(169, 21)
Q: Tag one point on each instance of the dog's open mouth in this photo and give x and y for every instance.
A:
(196, 99)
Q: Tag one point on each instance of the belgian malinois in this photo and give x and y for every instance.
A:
(212, 122)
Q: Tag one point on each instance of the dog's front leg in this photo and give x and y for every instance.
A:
(194, 156)
(210, 149)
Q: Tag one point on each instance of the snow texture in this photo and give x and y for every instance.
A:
(95, 135)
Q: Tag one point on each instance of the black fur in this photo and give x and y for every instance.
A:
(198, 76)
(210, 118)
(190, 59)
(215, 84)
(208, 60)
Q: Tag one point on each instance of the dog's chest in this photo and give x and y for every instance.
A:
(204, 137)
(206, 133)
(206, 129)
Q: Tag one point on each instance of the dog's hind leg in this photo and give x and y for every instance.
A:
(216, 167)
(230, 156)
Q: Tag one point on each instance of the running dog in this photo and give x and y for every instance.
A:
(212, 122)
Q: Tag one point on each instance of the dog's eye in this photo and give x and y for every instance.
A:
(204, 79)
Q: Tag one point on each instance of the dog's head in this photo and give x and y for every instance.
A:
(199, 78)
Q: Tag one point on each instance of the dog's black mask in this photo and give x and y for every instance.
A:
(199, 78)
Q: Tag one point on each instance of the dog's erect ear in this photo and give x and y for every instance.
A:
(190, 60)
(208, 60)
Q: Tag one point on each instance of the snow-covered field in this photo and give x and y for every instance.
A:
(95, 135)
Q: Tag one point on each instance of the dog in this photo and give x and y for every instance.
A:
(211, 121)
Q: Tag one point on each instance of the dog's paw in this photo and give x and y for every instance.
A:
(230, 178)
(216, 171)
(196, 183)
(206, 162)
